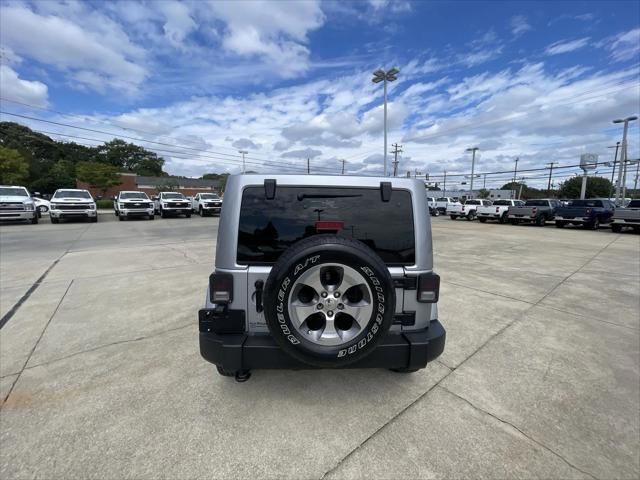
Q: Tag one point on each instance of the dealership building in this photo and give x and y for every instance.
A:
(152, 185)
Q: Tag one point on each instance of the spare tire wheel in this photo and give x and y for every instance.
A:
(328, 301)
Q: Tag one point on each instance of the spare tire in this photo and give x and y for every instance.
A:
(328, 301)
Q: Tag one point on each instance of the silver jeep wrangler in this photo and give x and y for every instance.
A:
(322, 272)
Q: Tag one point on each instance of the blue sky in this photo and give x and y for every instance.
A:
(289, 80)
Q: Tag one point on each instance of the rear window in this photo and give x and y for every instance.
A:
(442, 199)
(634, 204)
(269, 227)
(502, 202)
(585, 203)
(537, 203)
(473, 202)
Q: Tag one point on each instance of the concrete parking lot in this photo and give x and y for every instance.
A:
(101, 375)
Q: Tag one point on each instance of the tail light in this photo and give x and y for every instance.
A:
(329, 226)
(534, 210)
(497, 209)
(428, 288)
(463, 208)
(221, 288)
(589, 210)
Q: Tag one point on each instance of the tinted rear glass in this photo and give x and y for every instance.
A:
(269, 227)
(585, 203)
(537, 203)
(502, 202)
(472, 202)
(634, 204)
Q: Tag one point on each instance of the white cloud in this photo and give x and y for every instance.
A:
(566, 46)
(275, 31)
(625, 46)
(305, 153)
(178, 22)
(246, 143)
(92, 59)
(25, 91)
(519, 25)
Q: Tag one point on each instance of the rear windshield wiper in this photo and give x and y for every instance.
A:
(302, 196)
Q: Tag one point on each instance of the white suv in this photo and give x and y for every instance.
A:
(72, 203)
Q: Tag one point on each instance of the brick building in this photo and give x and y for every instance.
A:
(151, 185)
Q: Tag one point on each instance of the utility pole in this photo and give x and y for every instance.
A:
(308, 166)
(613, 172)
(635, 184)
(243, 152)
(623, 159)
(484, 182)
(342, 166)
(473, 165)
(396, 150)
(550, 173)
(444, 184)
(515, 172)
(521, 184)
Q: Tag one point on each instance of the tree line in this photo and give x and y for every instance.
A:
(42, 164)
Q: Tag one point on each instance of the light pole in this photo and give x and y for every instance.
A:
(243, 152)
(473, 164)
(389, 76)
(622, 178)
(613, 172)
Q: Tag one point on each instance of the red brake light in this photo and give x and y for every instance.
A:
(463, 208)
(221, 288)
(589, 211)
(326, 226)
(497, 209)
(428, 288)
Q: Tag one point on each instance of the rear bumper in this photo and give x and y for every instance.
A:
(628, 222)
(236, 352)
(575, 219)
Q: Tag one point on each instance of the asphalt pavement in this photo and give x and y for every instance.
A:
(101, 377)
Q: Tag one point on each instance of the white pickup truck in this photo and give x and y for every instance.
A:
(433, 210)
(16, 204)
(172, 203)
(133, 204)
(443, 202)
(466, 210)
(498, 211)
(72, 203)
(206, 204)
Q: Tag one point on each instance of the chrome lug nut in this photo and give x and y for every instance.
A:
(324, 294)
(340, 306)
(330, 313)
(320, 306)
(336, 294)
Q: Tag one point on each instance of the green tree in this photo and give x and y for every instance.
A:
(130, 157)
(527, 191)
(168, 185)
(98, 175)
(596, 187)
(14, 169)
(483, 193)
(221, 177)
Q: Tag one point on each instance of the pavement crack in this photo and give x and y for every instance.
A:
(527, 436)
(24, 366)
(100, 347)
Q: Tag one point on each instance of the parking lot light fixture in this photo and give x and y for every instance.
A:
(622, 171)
(389, 76)
(473, 164)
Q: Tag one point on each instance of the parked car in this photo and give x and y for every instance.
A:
(497, 211)
(537, 211)
(129, 204)
(443, 202)
(628, 216)
(172, 203)
(589, 213)
(16, 204)
(466, 210)
(307, 276)
(206, 204)
(72, 203)
(42, 205)
(433, 209)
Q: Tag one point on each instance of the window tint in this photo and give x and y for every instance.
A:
(269, 227)
(442, 199)
(209, 196)
(502, 202)
(585, 203)
(71, 194)
(14, 191)
(537, 203)
(473, 202)
(634, 204)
